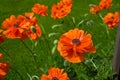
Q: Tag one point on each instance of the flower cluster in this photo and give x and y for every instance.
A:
(72, 45)
(61, 9)
(112, 19)
(104, 4)
(4, 68)
(21, 27)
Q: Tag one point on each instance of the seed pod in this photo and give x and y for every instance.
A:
(33, 29)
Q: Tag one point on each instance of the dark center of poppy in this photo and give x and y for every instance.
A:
(55, 78)
(76, 41)
(62, 11)
(56, 7)
(16, 25)
(112, 17)
(27, 17)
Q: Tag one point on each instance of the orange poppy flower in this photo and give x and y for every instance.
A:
(31, 27)
(105, 4)
(13, 27)
(40, 9)
(61, 9)
(20, 27)
(112, 19)
(74, 43)
(4, 68)
(34, 32)
(55, 74)
(94, 9)
(29, 20)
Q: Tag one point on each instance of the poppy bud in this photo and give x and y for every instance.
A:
(33, 29)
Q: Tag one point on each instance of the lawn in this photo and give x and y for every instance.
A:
(29, 58)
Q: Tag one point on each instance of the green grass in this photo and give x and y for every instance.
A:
(22, 62)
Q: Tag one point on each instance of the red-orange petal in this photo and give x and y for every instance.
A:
(74, 44)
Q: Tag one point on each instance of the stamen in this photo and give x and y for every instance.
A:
(112, 17)
(62, 11)
(16, 25)
(55, 78)
(56, 7)
(27, 17)
(76, 41)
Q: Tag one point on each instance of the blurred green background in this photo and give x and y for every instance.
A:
(45, 52)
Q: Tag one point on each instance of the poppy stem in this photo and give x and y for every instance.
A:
(69, 20)
(32, 53)
(42, 28)
(3, 49)
(16, 71)
(49, 49)
(93, 64)
(107, 31)
(73, 21)
(44, 36)
(46, 40)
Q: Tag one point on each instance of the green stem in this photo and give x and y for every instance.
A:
(93, 64)
(32, 53)
(44, 32)
(74, 66)
(47, 45)
(46, 42)
(69, 20)
(107, 31)
(16, 71)
(3, 49)
(73, 21)
(6, 53)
